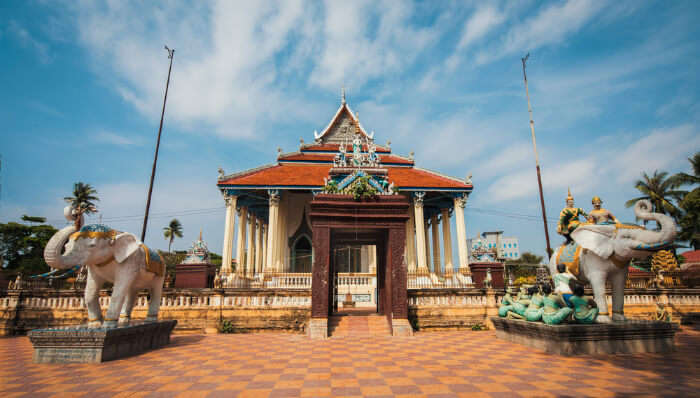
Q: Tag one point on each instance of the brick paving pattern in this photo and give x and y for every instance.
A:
(439, 364)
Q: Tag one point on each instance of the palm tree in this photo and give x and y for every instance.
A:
(659, 190)
(174, 229)
(689, 203)
(681, 179)
(82, 201)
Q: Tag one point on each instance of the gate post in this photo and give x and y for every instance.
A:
(318, 324)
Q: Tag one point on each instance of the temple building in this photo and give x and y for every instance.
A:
(342, 207)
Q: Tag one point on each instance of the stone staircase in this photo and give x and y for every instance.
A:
(358, 325)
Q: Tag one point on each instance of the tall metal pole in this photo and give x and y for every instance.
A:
(537, 161)
(171, 53)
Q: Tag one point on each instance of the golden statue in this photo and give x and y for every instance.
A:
(569, 218)
(599, 215)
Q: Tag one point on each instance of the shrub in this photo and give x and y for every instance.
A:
(226, 327)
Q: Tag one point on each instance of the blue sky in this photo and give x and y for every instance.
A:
(614, 88)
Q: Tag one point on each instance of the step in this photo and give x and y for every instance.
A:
(358, 325)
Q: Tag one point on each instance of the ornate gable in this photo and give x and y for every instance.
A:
(341, 128)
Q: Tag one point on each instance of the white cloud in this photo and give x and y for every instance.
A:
(550, 26)
(482, 21)
(612, 162)
(28, 40)
(366, 40)
(106, 137)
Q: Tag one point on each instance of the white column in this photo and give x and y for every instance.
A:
(264, 247)
(434, 222)
(281, 243)
(373, 259)
(411, 241)
(250, 248)
(447, 240)
(228, 234)
(240, 241)
(460, 203)
(272, 231)
(420, 231)
(258, 245)
(428, 256)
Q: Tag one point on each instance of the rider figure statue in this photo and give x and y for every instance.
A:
(569, 218)
(599, 215)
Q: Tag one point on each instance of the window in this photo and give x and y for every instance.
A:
(301, 255)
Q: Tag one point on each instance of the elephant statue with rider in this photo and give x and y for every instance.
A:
(602, 251)
(110, 256)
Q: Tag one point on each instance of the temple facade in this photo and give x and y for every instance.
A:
(344, 207)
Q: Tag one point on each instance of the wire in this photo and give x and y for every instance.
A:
(216, 210)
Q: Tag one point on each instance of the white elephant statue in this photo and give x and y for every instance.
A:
(606, 250)
(110, 256)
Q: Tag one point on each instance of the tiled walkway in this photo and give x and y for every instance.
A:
(449, 364)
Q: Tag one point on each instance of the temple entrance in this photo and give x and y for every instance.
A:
(340, 222)
(354, 273)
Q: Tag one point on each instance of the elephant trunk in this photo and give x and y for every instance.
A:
(52, 251)
(642, 210)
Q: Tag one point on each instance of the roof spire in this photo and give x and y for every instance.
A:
(200, 234)
(342, 95)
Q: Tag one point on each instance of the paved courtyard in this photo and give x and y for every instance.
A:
(440, 364)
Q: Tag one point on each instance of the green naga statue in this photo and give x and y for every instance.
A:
(555, 310)
(533, 313)
(585, 310)
(508, 301)
(521, 305)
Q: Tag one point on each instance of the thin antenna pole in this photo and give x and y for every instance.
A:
(171, 53)
(537, 161)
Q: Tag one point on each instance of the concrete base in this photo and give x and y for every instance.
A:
(401, 327)
(80, 344)
(318, 328)
(628, 337)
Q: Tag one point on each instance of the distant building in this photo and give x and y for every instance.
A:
(492, 246)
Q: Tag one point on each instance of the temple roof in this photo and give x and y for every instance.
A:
(310, 166)
(311, 176)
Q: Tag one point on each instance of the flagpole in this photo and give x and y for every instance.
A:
(537, 161)
(171, 53)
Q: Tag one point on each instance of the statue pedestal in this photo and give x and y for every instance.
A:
(629, 337)
(80, 344)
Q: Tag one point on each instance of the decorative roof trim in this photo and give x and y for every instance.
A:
(260, 186)
(246, 172)
(444, 175)
(337, 114)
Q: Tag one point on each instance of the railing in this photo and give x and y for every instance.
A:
(351, 279)
(268, 280)
(431, 280)
(60, 284)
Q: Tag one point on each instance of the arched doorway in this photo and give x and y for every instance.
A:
(302, 254)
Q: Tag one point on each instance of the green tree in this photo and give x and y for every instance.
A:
(660, 191)
(524, 266)
(33, 219)
(22, 247)
(681, 179)
(174, 229)
(689, 203)
(84, 196)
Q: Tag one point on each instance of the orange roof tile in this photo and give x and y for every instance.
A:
(312, 175)
(410, 177)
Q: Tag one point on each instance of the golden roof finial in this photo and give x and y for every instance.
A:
(200, 233)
